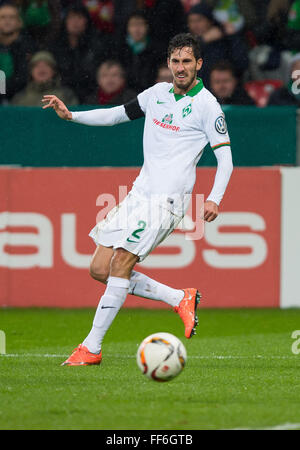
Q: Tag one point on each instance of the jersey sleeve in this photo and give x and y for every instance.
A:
(223, 174)
(101, 116)
(144, 97)
(137, 107)
(215, 127)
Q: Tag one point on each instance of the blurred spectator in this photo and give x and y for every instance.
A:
(164, 74)
(78, 51)
(102, 14)
(188, 4)
(228, 14)
(253, 11)
(112, 90)
(41, 18)
(15, 49)
(292, 38)
(226, 87)
(277, 17)
(265, 21)
(139, 54)
(268, 36)
(216, 45)
(121, 11)
(261, 90)
(166, 18)
(43, 80)
(289, 94)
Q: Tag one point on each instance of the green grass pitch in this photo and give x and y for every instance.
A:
(240, 373)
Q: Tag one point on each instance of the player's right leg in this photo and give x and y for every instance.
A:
(113, 298)
(99, 270)
(100, 263)
(120, 268)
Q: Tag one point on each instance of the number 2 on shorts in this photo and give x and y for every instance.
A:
(136, 232)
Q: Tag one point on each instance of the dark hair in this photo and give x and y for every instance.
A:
(139, 14)
(224, 66)
(185, 40)
(9, 3)
(77, 8)
(112, 63)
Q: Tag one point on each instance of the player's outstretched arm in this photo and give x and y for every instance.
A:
(95, 117)
(51, 101)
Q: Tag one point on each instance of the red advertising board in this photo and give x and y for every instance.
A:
(46, 215)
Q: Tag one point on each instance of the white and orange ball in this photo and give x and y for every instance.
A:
(161, 356)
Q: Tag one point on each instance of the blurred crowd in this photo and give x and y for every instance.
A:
(106, 51)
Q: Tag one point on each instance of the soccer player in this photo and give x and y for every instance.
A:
(180, 119)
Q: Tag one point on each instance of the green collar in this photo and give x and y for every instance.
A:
(191, 93)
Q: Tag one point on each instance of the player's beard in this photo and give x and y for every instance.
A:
(188, 83)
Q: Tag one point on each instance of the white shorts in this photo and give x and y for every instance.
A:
(136, 224)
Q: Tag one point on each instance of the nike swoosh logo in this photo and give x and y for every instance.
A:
(159, 103)
(105, 307)
(129, 240)
(132, 291)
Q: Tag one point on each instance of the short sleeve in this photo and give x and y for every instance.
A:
(215, 126)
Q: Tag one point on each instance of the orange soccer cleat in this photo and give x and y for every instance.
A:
(187, 310)
(81, 356)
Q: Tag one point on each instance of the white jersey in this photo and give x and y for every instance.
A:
(177, 128)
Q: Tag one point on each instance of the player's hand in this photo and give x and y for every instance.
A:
(211, 211)
(51, 101)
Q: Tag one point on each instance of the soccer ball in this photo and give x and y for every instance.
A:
(161, 356)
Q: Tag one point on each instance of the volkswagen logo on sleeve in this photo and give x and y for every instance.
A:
(220, 125)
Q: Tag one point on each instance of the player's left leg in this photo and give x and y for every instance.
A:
(140, 284)
(143, 286)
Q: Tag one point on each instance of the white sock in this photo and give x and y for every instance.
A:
(108, 307)
(143, 286)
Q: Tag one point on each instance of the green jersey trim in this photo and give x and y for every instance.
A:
(191, 93)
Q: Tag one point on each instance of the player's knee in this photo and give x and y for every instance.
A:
(99, 273)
